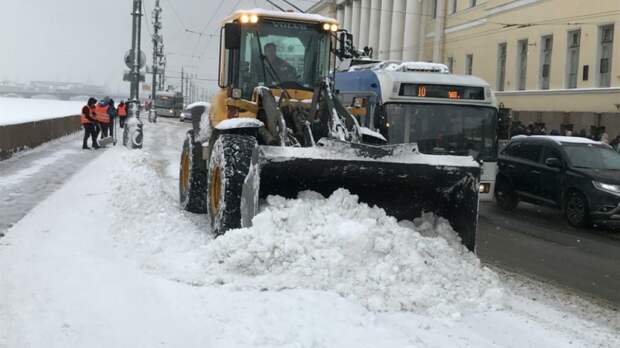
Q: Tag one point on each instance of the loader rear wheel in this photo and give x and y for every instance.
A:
(192, 177)
(229, 164)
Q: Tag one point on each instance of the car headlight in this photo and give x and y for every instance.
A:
(607, 187)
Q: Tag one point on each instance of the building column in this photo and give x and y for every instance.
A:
(357, 14)
(412, 25)
(364, 23)
(386, 30)
(348, 15)
(375, 24)
(340, 15)
(398, 24)
(422, 30)
(440, 24)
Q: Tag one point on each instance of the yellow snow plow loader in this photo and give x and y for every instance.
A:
(277, 128)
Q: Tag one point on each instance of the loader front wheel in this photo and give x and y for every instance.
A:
(192, 177)
(229, 165)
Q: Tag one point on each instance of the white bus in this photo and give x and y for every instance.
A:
(423, 103)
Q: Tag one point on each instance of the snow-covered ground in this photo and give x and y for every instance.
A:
(110, 259)
(22, 110)
(30, 176)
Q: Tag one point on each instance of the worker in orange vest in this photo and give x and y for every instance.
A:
(88, 122)
(122, 113)
(103, 118)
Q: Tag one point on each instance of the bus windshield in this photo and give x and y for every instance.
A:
(298, 52)
(164, 102)
(445, 129)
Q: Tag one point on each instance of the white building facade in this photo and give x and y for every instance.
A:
(553, 62)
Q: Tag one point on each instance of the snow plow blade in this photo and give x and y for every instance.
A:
(396, 178)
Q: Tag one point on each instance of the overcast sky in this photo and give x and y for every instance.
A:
(85, 40)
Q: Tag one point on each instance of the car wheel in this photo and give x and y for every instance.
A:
(576, 209)
(505, 195)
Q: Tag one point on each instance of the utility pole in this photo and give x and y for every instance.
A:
(157, 41)
(187, 86)
(162, 72)
(182, 94)
(132, 134)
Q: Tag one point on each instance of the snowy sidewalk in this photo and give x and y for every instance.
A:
(29, 177)
(116, 263)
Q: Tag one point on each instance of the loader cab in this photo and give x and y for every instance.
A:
(273, 49)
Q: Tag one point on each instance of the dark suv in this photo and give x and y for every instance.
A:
(578, 175)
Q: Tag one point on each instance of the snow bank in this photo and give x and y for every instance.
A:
(21, 110)
(338, 244)
(333, 244)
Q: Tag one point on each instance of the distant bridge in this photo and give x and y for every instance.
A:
(52, 90)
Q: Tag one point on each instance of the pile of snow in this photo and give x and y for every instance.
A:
(339, 244)
(22, 110)
(334, 244)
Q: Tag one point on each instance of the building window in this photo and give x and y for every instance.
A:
(453, 4)
(469, 62)
(451, 64)
(606, 39)
(501, 66)
(521, 64)
(434, 7)
(472, 3)
(546, 48)
(572, 57)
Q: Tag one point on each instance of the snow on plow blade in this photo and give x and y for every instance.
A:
(397, 178)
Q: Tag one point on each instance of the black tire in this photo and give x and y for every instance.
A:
(576, 209)
(192, 177)
(505, 195)
(229, 164)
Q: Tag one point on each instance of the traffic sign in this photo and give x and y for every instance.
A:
(129, 58)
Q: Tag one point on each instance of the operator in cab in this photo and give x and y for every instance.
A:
(285, 71)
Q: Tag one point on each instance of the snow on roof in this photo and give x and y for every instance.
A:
(403, 67)
(297, 16)
(171, 94)
(562, 139)
(449, 79)
(22, 110)
(199, 103)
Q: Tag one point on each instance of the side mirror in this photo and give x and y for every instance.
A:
(346, 45)
(553, 162)
(232, 36)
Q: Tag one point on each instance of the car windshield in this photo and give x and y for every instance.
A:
(297, 52)
(592, 156)
(445, 129)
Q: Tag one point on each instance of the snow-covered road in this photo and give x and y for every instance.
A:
(116, 263)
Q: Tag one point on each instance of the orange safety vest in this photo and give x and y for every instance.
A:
(122, 110)
(83, 119)
(101, 113)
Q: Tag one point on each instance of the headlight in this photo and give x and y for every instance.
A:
(171, 110)
(607, 187)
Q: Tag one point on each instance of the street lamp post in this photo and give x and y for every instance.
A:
(132, 133)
